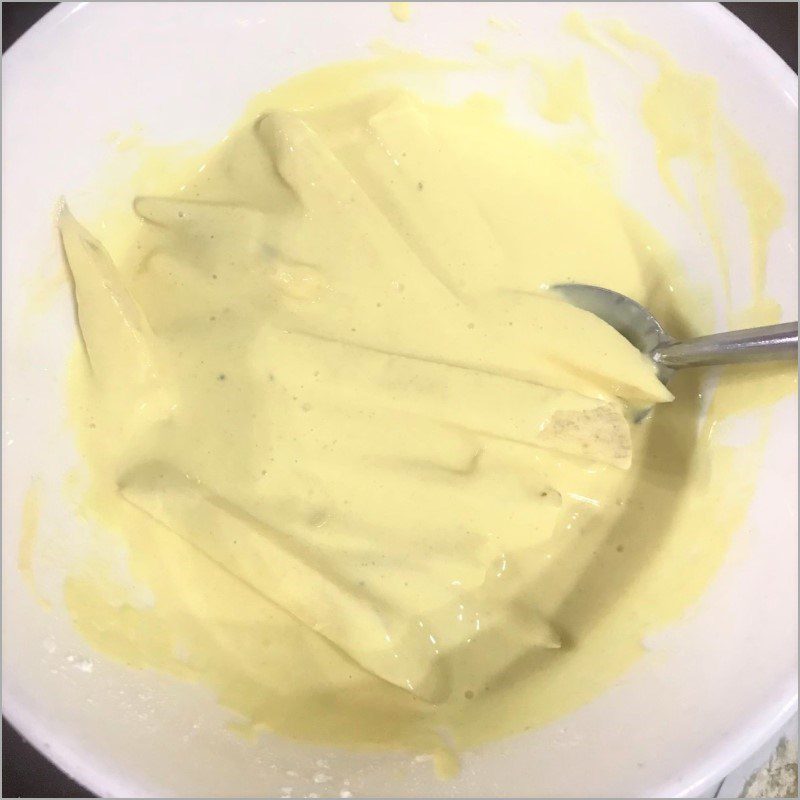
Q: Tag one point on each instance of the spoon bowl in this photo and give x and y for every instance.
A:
(643, 331)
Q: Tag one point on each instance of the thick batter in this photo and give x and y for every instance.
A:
(373, 482)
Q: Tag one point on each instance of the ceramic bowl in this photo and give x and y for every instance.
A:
(710, 689)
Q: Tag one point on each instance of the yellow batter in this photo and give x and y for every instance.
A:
(681, 111)
(379, 485)
(401, 11)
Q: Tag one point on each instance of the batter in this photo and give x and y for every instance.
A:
(377, 483)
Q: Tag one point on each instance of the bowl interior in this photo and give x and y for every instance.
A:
(711, 688)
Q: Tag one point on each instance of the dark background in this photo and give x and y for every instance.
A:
(26, 773)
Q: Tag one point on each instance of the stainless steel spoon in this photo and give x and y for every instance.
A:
(643, 331)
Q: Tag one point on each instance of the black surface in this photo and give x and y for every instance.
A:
(18, 17)
(775, 23)
(27, 773)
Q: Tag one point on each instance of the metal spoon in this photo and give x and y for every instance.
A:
(643, 331)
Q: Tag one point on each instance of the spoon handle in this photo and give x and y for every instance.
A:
(769, 343)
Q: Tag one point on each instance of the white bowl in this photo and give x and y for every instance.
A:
(714, 687)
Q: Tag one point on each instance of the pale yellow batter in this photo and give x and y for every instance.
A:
(401, 11)
(681, 111)
(379, 484)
